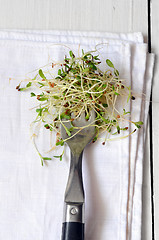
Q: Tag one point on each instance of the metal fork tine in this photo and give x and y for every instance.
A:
(92, 116)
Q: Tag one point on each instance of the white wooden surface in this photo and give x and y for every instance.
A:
(101, 15)
(155, 48)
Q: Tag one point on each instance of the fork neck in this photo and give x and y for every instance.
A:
(74, 195)
(75, 180)
(76, 159)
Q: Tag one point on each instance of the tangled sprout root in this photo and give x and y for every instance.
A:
(78, 85)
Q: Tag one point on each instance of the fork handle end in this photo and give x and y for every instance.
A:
(73, 231)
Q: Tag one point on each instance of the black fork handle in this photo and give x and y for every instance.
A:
(73, 231)
(73, 222)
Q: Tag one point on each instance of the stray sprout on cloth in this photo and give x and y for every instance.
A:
(78, 85)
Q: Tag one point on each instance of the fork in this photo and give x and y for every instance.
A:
(83, 133)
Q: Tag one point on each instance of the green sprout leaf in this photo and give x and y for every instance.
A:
(48, 126)
(116, 72)
(46, 158)
(118, 129)
(42, 162)
(59, 72)
(71, 129)
(96, 57)
(25, 88)
(55, 97)
(41, 84)
(138, 124)
(42, 99)
(94, 139)
(60, 157)
(129, 95)
(68, 132)
(56, 156)
(104, 119)
(29, 85)
(71, 54)
(125, 111)
(39, 111)
(105, 105)
(61, 143)
(66, 116)
(32, 94)
(87, 116)
(41, 74)
(109, 63)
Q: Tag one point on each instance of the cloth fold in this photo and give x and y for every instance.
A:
(31, 201)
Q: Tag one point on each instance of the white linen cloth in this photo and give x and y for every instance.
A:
(31, 196)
